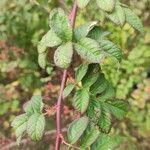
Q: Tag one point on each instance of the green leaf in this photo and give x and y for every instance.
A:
(35, 126)
(35, 105)
(118, 108)
(93, 111)
(20, 125)
(82, 3)
(20, 132)
(50, 39)
(89, 50)
(41, 47)
(133, 20)
(83, 30)
(60, 24)
(111, 49)
(91, 75)
(81, 100)
(63, 55)
(76, 129)
(104, 122)
(81, 71)
(106, 142)
(98, 34)
(90, 135)
(100, 85)
(118, 15)
(68, 89)
(49, 70)
(106, 5)
(109, 93)
(42, 60)
(19, 120)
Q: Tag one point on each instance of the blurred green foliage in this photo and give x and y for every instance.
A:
(22, 24)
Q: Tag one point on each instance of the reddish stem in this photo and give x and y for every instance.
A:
(72, 18)
(73, 14)
(58, 113)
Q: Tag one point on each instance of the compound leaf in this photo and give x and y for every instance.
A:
(63, 55)
(76, 129)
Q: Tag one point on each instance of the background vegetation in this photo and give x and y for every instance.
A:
(24, 22)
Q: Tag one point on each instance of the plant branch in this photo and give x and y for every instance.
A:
(58, 112)
(72, 18)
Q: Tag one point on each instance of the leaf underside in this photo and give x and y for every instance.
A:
(63, 55)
